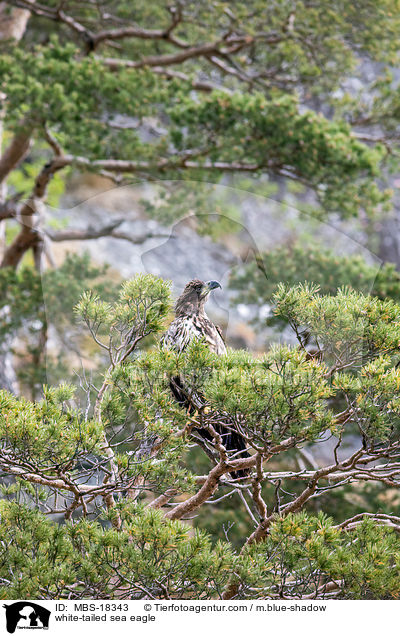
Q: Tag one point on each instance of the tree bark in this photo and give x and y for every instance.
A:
(12, 27)
(29, 217)
(13, 21)
(15, 153)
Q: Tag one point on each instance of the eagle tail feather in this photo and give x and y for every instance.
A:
(231, 439)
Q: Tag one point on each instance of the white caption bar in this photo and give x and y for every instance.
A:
(98, 618)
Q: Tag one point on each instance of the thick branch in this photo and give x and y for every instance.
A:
(205, 492)
(8, 209)
(166, 60)
(160, 501)
(114, 64)
(121, 165)
(138, 33)
(213, 478)
(92, 40)
(110, 230)
(388, 520)
(263, 528)
(29, 236)
(15, 153)
(50, 482)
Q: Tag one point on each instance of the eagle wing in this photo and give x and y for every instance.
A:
(221, 335)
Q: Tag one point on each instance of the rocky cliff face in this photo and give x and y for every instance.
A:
(177, 252)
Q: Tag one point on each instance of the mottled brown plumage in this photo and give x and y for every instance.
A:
(191, 322)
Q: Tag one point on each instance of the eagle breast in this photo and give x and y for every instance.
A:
(184, 330)
(191, 322)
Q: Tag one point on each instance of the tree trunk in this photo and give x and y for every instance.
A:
(12, 27)
(13, 21)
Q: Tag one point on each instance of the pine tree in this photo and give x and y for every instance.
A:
(196, 94)
(124, 460)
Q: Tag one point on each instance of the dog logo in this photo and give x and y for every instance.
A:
(26, 615)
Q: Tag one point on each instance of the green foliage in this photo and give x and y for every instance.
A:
(375, 392)
(30, 303)
(287, 392)
(282, 400)
(139, 311)
(334, 34)
(282, 394)
(47, 85)
(139, 399)
(346, 325)
(120, 328)
(80, 99)
(29, 295)
(314, 555)
(315, 265)
(143, 302)
(272, 133)
(48, 430)
(149, 555)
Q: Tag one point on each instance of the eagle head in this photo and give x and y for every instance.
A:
(194, 296)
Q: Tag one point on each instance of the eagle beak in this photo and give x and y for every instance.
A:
(212, 284)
